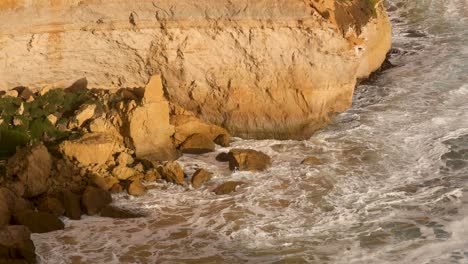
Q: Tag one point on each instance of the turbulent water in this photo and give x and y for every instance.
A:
(393, 189)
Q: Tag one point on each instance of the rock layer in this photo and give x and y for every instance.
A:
(258, 68)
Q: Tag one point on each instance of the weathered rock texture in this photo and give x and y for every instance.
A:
(267, 68)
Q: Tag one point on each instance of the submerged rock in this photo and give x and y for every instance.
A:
(312, 160)
(222, 157)
(248, 160)
(227, 187)
(114, 212)
(32, 166)
(200, 176)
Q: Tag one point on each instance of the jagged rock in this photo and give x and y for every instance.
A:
(248, 160)
(17, 121)
(12, 93)
(52, 119)
(92, 148)
(187, 125)
(124, 159)
(149, 125)
(20, 110)
(71, 202)
(94, 199)
(16, 245)
(200, 176)
(152, 176)
(116, 188)
(197, 144)
(25, 93)
(114, 212)
(51, 205)
(227, 187)
(173, 172)
(102, 125)
(136, 188)
(222, 157)
(84, 113)
(123, 172)
(32, 166)
(103, 182)
(39, 222)
(312, 160)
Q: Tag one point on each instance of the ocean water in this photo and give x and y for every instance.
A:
(393, 187)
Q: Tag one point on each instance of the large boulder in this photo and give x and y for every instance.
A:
(94, 199)
(39, 222)
(173, 172)
(92, 148)
(197, 144)
(32, 166)
(248, 160)
(149, 126)
(16, 245)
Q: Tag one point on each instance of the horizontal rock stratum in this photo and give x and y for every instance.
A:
(261, 69)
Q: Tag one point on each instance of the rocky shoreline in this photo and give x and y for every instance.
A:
(65, 157)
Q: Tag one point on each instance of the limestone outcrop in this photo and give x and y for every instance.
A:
(259, 69)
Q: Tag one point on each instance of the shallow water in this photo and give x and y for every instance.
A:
(393, 189)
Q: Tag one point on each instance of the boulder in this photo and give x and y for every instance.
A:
(5, 213)
(149, 126)
(173, 172)
(51, 205)
(103, 182)
(197, 144)
(94, 199)
(119, 213)
(187, 125)
(92, 148)
(39, 222)
(71, 202)
(227, 187)
(32, 166)
(16, 245)
(123, 173)
(124, 159)
(84, 113)
(136, 188)
(312, 160)
(200, 176)
(248, 160)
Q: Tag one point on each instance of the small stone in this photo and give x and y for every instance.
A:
(197, 144)
(152, 176)
(222, 157)
(12, 93)
(94, 199)
(118, 213)
(227, 187)
(123, 172)
(173, 172)
(312, 160)
(136, 188)
(52, 119)
(248, 160)
(124, 159)
(200, 176)
(20, 109)
(17, 121)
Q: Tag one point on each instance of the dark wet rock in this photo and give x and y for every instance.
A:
(5, 213)
(197, 144)
(200, 176)
(39, 222)
(173, 172)
(222, 157)
(16, 245)
(227, 187)
(223, 140)
(32, 167)
(71, 202)
(52, 205)
(114, 212)
(94, 199)
(248, 160)
(136, 188)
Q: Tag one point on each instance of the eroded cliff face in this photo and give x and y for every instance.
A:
(262, 69)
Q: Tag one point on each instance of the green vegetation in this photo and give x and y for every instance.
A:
(33, 125)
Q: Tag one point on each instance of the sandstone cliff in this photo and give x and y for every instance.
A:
(265, 68)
